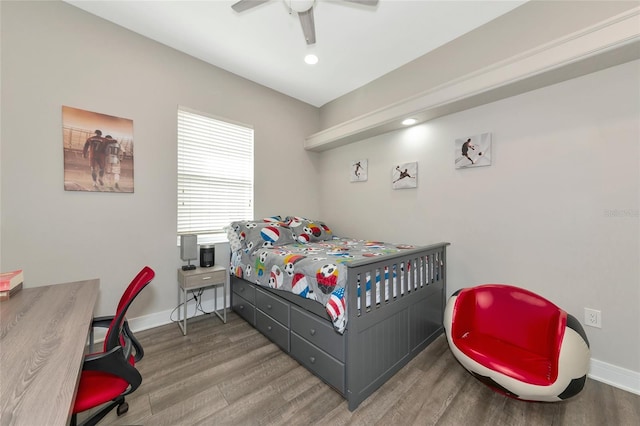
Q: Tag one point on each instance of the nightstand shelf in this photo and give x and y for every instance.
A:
(195, 279)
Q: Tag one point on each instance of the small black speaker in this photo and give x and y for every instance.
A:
(207, 255)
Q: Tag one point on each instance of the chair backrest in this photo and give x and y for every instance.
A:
(114, 333)
(511, 314)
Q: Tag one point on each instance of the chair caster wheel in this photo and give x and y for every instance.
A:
(122, 408)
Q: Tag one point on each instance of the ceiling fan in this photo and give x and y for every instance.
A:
(304, 9)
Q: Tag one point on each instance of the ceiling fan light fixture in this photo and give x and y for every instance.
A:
(409, 121)
(302, 8)
(311, 59)
(299, 5)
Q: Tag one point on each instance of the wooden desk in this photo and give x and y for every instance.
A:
(43, 333)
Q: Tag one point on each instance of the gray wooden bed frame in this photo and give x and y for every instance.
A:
(378, 340)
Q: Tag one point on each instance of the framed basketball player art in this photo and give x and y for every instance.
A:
(98, 151)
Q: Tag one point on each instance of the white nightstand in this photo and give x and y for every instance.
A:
(215, 276)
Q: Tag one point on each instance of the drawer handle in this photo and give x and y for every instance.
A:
(241, 289)
(241, 307)
(268, 306)
(312, 359)
(269, 327)
(312, 332)
(206, 278)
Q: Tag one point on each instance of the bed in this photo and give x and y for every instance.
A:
(353, 312)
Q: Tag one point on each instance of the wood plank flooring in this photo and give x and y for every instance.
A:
(229, 374)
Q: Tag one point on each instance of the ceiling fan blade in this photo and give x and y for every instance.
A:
(243, 5)
(366, 2)
(308, 26)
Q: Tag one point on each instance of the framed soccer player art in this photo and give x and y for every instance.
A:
(473, 151)
(98, 151)
(358, 171)
(405, 176)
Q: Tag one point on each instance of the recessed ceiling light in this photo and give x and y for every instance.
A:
(311, 59)
(409, 121)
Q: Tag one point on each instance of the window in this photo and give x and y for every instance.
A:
(215, 175)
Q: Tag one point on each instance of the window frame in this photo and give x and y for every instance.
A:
(205, 180)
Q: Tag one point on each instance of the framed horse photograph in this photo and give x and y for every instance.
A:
(98, 151)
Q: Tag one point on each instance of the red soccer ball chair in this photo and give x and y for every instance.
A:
(517, 342)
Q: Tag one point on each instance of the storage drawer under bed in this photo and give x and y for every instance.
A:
(273, 307)
(319, 332)
(271, 328)
(244, 289)
(244, 309)
(319, 362)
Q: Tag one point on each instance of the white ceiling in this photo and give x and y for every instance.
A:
(355, 43)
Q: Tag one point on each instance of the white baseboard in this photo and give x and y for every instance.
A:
(613, 375)
(610, 374)
(166, 317)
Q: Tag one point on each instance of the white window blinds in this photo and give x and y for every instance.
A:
(215, 175)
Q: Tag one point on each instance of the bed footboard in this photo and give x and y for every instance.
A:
(403, 314)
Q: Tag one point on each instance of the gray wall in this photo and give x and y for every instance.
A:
(556, 213)
(54, 54)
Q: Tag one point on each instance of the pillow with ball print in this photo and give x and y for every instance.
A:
(234, 240)
(306, 230)
(255, 235)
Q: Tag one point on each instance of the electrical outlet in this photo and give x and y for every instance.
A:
(592, 318)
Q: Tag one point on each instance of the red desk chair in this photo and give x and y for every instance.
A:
(517, 342)
(109, 375)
